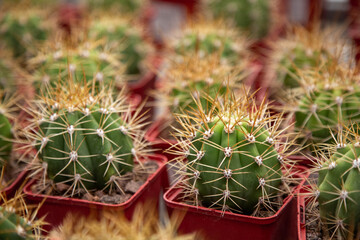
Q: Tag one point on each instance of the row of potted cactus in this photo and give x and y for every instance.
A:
(233, 151)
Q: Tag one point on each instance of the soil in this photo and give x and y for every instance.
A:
(313, 226)
(130, 183)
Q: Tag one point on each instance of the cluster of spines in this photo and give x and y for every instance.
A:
(211, 180)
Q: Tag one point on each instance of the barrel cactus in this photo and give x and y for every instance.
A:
(248, 15)
(123, 36)
(86, 59)
(22, 30)
(187, 75)
(302, 49)
(235, 155)
(84, 138)
(329, 98)
(337, 190)
(208, 37)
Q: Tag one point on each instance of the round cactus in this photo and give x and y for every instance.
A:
(337, 190)
(187, 75)
(125, 37)
(86, 139)
(88, 60)
(302, 49)
(22, 30)
(210, 37)
(326, 101)
(234, 158)
(248, 15)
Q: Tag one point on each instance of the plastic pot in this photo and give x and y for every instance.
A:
(301, 221)
(55, 208)
(11, 190)
(215, 226)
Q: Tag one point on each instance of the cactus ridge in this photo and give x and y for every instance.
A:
(86, 139)
(235, 159)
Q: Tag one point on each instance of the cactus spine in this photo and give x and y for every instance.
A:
(84, 138)
(234, 161)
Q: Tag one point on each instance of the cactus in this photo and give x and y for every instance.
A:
(248, 15)
(17, 221)
(209, 37)
(123, 36)
(302, 49)
(23, 30)
(88, 59)
(86, 139)
(330, 97)
(125, 6)
(143, 225)
(234, 155)
(191, 74)
(337, 190)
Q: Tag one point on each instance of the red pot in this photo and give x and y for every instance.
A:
(190, 5)
(301, 214)
(16, 185)
(55, 208)
(215, 226)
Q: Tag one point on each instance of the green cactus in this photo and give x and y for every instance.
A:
(87, 60)
(327, 100)
(22, 31)
(124, 6)
(17, 221)
(337, 190)
(234, 161)
(85, 139)
(124, 37)
(253, 16)
(302, 49)
(191, 74)
(13, 226)
(210, 37)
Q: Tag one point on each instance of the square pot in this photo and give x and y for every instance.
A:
(55, 208)
(217, 225)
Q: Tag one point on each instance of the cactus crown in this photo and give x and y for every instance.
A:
(85, 138)
(191, 74)
(236, 156)
(329, 96)
(87, 59)
(207, 37)
(124, 36)
(337, 189)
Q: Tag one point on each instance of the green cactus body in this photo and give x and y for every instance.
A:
(232, 162)
(84, 61)
(124, 6)
(5, 139)
(85, 140)
(248, 15)
(125, 38)
(14, 227)
(338, 190)
(320, 111)
(209, 38)
(239, 165)
(20, 32)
